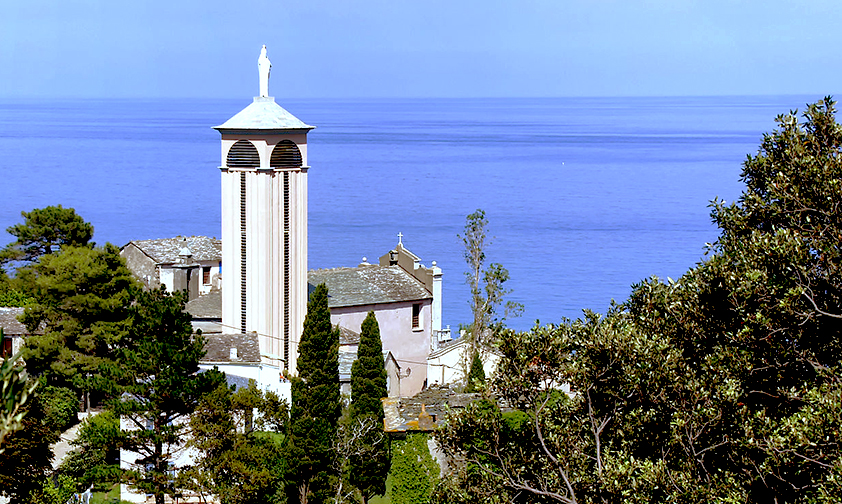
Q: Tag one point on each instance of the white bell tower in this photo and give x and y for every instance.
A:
(264, 224)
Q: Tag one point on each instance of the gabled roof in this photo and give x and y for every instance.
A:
(218, 348)
(369, 284)
(348, 337)
(166, 250)
(263, 114)
(347, 358)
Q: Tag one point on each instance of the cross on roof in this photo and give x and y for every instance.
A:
(400, 239)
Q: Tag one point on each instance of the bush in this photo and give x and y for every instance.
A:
(414, 471)
(60, 407)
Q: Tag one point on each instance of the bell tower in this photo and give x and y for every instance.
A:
(264, 224)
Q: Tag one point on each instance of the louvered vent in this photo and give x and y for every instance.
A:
(243, 249)
(286, 265)
(243, 154)
(285, 155)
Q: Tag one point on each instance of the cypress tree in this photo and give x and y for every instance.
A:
(316, 403)
(476, 375)
(370, 458)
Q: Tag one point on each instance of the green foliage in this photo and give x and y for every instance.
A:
(59, 491)
(414, 471)
(43, 231)
(60, 407)
(722, 386)
(96, 457)
(241, 453)
(82, 297)
(16, 389)
(157, 385)
(487, 286)
(10, 296)
(369, 454)
(27, 458)
(368, 372)
(316, 405)
(476, 376)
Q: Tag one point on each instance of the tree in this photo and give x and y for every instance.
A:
(44, 231)
(27, 459)
(156, 385)
(81, 300)
(722, 386)
(487, 286)
(476, 375)
(316, 404)
(369, 458)
(95, 459)
(241, 459)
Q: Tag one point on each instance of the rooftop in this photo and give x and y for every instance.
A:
(218, 347)
(206, 306)
(369, 284)
(263, 114)
(10, 323)
(166, 250)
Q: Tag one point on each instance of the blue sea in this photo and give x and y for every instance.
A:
(584, 196)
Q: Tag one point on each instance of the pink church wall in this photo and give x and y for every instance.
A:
(409, 346)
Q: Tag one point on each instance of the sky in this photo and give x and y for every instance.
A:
(430, 48)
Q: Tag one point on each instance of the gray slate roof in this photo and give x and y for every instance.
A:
(218, 347)
(348, 337)
(10, 324)
(165, 250)
(366, 285)
(263, 114)
(206, 306)
(346, 361)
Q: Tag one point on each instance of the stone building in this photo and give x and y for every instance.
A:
(158, 262)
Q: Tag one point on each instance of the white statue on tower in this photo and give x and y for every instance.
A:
(263, 68)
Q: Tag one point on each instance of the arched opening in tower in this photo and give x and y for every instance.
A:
(242, 154)
(285, 155)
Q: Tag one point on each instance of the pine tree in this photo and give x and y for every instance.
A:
(156, 385)
(370, 457)
(316, 403)
(81, 297)
(45, 230)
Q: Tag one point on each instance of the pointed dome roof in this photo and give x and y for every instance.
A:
(263, 114)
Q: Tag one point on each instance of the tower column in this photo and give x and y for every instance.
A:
(264, 225)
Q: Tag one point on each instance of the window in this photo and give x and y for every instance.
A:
(416, 316)
(206, 278)
(6, 349)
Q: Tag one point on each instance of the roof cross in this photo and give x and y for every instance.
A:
(400, 239)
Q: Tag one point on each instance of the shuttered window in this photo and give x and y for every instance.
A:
(243, 154)
(416, 316)
(285, 155)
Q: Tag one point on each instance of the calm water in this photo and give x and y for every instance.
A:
(584, 196)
